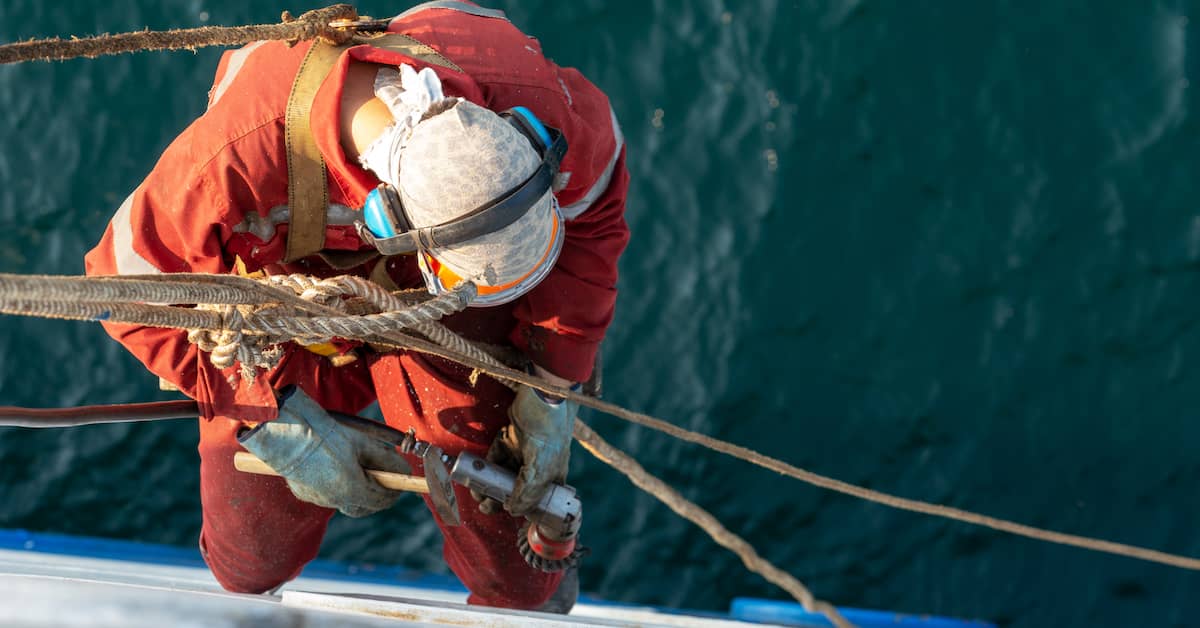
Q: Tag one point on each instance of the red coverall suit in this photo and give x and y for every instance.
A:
(219, 193)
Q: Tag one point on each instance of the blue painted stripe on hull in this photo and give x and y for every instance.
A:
(792, 614)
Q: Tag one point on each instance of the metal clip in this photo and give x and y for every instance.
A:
(362, 24)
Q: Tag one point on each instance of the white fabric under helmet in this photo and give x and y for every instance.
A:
(458, 161)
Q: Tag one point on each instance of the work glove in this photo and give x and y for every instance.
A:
(323, 460)
(538, 444)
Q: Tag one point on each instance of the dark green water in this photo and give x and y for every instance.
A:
(947, 250)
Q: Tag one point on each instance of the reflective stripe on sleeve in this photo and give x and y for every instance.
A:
(127, 260)
(453, 5)
(236, 60)
(572, 211)
(264, 226)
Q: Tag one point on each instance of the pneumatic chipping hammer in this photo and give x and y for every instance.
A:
(547, 541)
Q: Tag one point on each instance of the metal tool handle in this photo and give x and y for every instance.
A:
(559, 513)
(249, 463)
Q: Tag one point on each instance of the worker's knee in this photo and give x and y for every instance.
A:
(528, 594)
(255, 534)
(243, 570)
(564, 597)
(236, 582)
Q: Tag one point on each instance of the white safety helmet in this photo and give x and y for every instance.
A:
(473, 199)
(464, 159)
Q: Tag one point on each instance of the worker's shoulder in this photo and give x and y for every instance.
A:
(245, 108)
(256, 76)
(248, 98)
(564, 98)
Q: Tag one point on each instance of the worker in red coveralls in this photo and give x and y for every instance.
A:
(428, 127)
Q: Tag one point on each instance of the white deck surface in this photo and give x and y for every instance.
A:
(43, 590)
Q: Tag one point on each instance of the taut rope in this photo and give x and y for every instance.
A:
(311, 25)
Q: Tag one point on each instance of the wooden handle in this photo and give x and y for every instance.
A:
(249, 463)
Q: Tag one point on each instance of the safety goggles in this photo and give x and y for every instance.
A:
(441, 279)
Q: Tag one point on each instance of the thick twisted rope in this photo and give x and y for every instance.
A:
(311, 25)
(272, 321)
(384, 301)
(253, 337)
(180, 288)
(236, 319)
(231, 344)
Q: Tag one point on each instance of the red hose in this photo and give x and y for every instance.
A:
(12, 416)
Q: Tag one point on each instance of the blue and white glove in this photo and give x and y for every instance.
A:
(539, 438)
(321, 459)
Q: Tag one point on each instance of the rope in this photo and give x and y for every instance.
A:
(273, 326)
(377, 296)
(132, 313)
(618, 460)
(236, 319)
(269, 320)
(136, 289)
(311, 25)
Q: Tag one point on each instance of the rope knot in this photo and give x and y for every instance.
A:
(317, 24)
(231, 344)
(254, 335)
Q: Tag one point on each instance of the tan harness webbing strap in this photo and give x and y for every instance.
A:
(345, 260)
(405, 45)
(380, 275)
(308, 192)
(308, 189)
